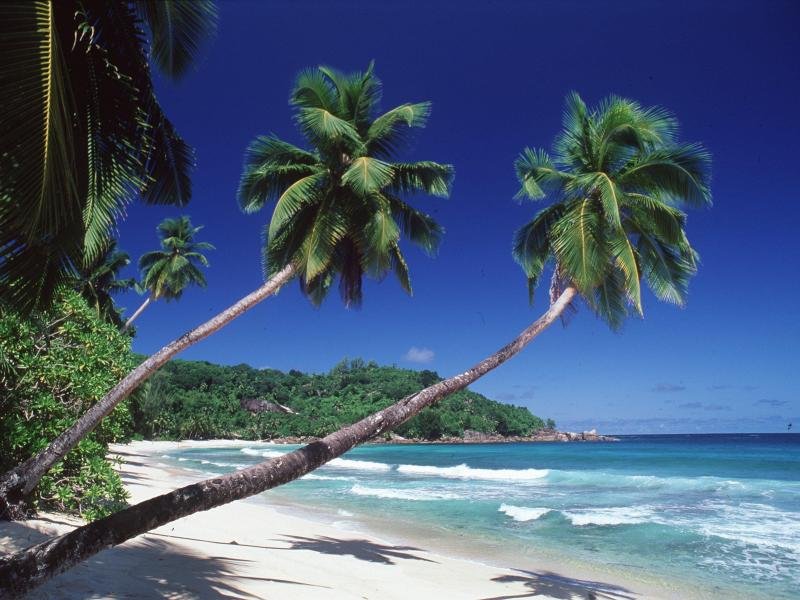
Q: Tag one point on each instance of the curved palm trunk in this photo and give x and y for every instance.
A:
(31, 567)
(138, 312)
(20, 481)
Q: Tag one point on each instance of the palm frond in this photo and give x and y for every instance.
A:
(532, 248)
(178, 29)
(678, 172)
(386, 133)
(304, 191)
(579, 245)
(424, 176)
(538, 175)
(366, 175)
(419, 228)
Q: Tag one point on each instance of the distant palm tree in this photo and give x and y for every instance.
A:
(98, 281)
(81, 130)
(338, 212)
(611, 164)
(166, 273)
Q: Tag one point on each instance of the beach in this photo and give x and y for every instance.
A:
(251, 549)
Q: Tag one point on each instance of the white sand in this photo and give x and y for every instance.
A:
(249, 549)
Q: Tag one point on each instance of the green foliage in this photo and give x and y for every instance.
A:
(53, 366)
(193, 399)
(166, 273)
(81, 131)
(338, 208)
(98, 281)
(618, 176)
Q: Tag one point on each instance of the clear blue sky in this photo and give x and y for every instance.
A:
(497, 73)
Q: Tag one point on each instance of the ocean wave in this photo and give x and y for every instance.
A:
(709, 484)
(753, 523)
(464, 471)
(612, 515)
(359, 465)
(264, 453)
(399, 494)
(523, 513)
(316, 477)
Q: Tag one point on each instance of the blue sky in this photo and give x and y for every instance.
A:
(497, 74)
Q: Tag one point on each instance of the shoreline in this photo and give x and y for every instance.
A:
(262, 548)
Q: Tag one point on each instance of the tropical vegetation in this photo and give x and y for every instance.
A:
(55, 365)
(616, 179)
(338, 213)
(167, 272)
(619, 179)
(81, 131)
(99, 280)
(200, 400)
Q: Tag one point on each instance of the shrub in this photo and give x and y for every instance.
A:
(55, 366)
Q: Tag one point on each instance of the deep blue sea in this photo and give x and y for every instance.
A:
(718, 513)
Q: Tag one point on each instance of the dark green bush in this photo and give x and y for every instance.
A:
(54, 366)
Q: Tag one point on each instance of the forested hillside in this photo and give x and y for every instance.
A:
(195, 399)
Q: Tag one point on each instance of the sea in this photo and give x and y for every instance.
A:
(701, 516)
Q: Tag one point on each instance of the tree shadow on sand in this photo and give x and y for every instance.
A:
(155, 568)
(361, 549)
(551, 585)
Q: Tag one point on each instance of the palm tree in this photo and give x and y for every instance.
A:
(338, 212)
(620, 178)
(169, 271)
(81, 130)
(99, 280)
(636, 152)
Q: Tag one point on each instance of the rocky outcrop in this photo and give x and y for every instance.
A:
(256, 406)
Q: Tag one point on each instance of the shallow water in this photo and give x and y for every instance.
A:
(720, 512)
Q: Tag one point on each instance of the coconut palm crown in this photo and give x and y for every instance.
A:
(619, 179)
(166, 273)
(338, 206)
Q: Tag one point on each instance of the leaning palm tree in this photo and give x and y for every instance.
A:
(99, 280)
(621, 147)
(338, 213)
(81, 130)
(169, 271)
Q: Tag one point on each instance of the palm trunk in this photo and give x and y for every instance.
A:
(16, 484)
(29, 568)
(138, 312)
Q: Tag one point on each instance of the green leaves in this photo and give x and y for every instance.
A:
(579, 244)
(339, 210)
(538, 174)
(178, 29)
(307, 190)
(424, 176)
(48, 384)
(166, 273)
(532, 244)
(616, 174)
(367, 175)
(325, 129)
(81, 132)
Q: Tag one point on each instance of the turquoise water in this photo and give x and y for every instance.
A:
(719, 512)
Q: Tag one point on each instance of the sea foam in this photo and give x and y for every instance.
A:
(523, 513)
(400, 494)
(464, 471)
